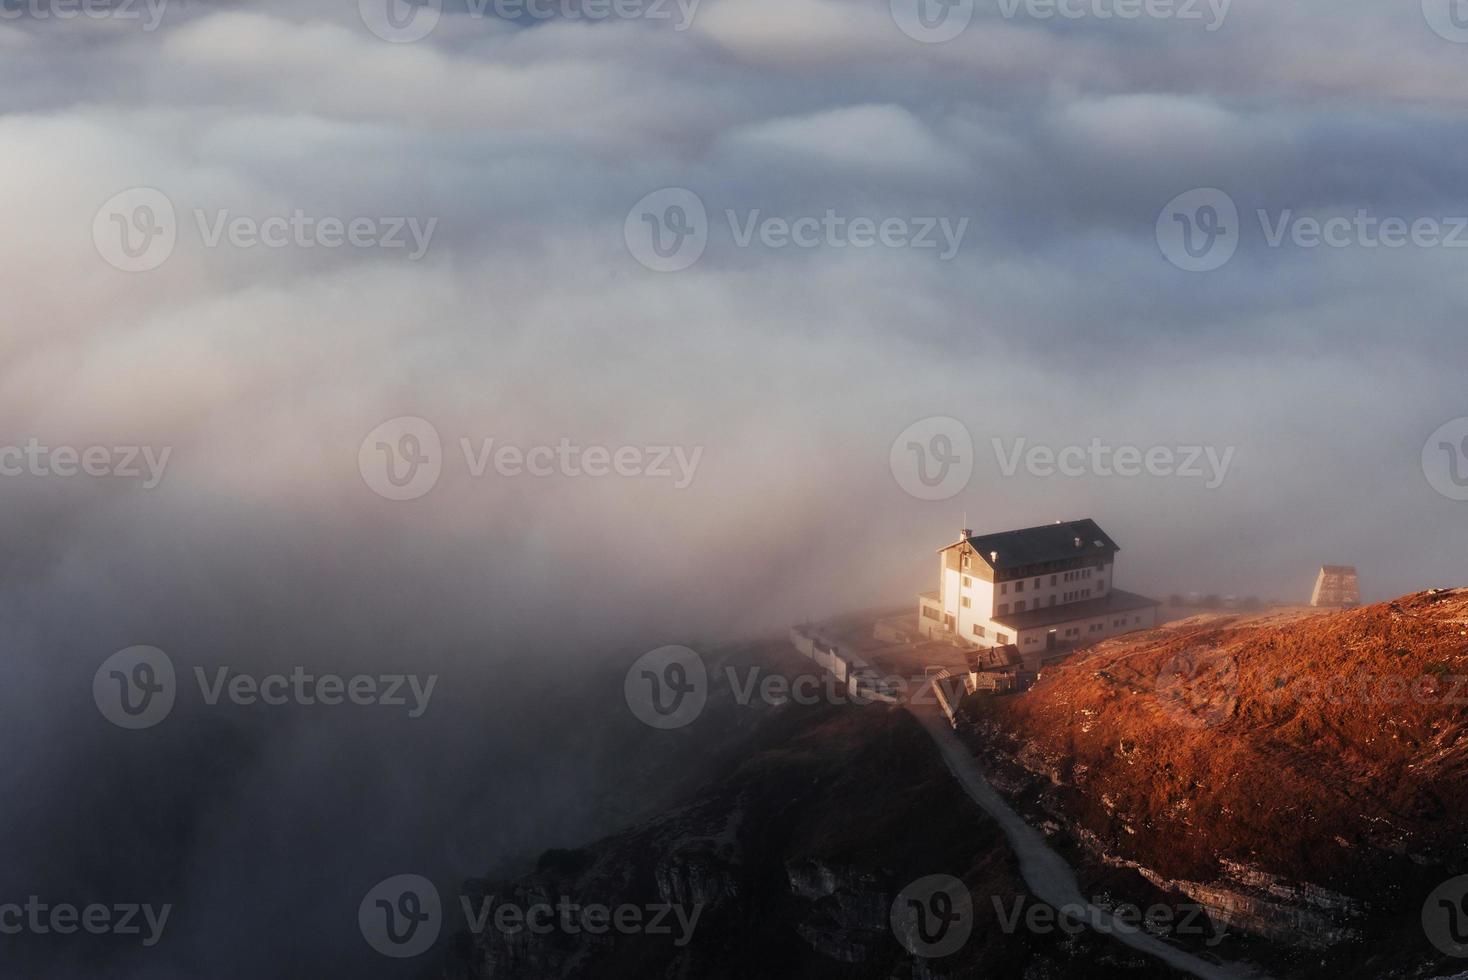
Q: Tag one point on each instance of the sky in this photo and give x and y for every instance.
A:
(1042, 231)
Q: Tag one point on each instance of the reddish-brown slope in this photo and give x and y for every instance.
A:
(1327, 748)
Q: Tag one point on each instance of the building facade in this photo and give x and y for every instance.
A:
(1042, 590)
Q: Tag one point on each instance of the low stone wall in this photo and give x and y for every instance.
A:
(862, 680)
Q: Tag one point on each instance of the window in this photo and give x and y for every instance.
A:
(930, 612)
(968, 583)
(1037, 583)
(1019, 606)
(1004, 589)
(978, 630)
(1019, 586)
(1003, 638)
(1004, 609)
(967, 602)
(1052, 580)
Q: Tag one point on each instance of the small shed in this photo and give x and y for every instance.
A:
(1336, 586)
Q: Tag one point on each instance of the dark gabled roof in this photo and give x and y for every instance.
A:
(1046, 543)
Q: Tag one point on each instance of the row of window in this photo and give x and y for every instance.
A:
(1003, 638)
(1019, 586)
(1070, 631)
(1098, 627)
(1020, 605)
(1093, 628)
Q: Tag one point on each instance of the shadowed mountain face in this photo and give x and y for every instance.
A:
(1301, 774)
(790, 861)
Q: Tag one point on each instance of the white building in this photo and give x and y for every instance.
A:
(1042, 589)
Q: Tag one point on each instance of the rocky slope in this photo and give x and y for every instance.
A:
(794, 852)
(1305, 776)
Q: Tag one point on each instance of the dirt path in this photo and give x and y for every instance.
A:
(1044, 871)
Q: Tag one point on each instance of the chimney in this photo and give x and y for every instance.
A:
(965, 534)
(1078, 542)
(994, 556)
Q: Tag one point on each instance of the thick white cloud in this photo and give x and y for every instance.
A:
(874, 139)
(1058, 142)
